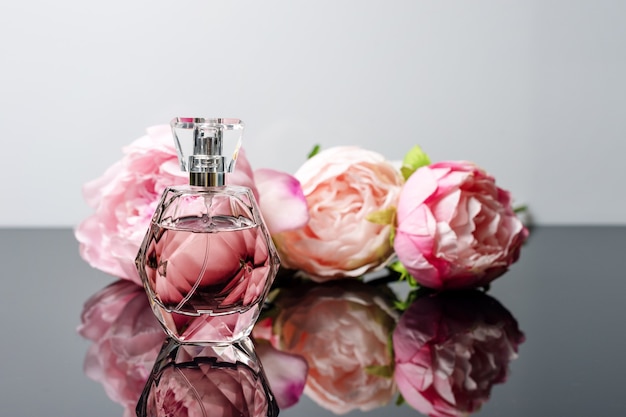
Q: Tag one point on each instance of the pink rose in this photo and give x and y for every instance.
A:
(455, 227)
(450, 349)
(344, 187)
(126, 196)
(342, 331)
(126, 340)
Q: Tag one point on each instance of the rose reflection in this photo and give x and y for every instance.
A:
(126, 341)
(342, 329)
(450, 349)
(333, 340)
(201, 380)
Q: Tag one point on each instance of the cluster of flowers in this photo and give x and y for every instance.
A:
(346, 212)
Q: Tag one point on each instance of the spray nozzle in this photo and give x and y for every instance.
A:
(207, 148)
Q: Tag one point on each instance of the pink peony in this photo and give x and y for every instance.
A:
(450, 349)
(126, 196)
(126, 340)
(455, 227)
(342, 331)
(344, 187)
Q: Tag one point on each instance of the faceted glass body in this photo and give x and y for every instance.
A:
(202, 380)
(207, 263)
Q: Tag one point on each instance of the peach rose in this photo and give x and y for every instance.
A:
(344, 187)
(455, 227)
(342, 331)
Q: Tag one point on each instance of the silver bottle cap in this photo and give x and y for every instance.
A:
(207, 148)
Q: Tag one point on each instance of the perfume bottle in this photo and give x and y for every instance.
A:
(207, 261)
(207, 380)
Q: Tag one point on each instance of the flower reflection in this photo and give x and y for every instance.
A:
(450, 349)
(342, 330)
(126, 340)
(345, 344)
(201, 380)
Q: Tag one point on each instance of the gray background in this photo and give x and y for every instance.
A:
(531, 90)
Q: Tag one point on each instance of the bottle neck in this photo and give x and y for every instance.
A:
(206, 179)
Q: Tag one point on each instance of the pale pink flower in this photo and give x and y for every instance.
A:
(344, 186)
(455, 227)
(450, 349)
(126, 341)
(125, 197)
(282, 200)
(342, 331)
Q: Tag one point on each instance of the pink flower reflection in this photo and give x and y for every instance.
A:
(126, 340)
(342, 330)
(450, 349)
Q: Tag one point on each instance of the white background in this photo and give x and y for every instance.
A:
(533, 91)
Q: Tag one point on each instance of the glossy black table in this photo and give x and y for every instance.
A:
(566, 293)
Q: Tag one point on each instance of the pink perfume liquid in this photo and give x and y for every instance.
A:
(206, 276)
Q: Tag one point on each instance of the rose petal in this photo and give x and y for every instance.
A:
(282, 201)
(286, 373)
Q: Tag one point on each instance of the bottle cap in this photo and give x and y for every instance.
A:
(207, 148)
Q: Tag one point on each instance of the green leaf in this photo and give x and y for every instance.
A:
(314, 151)
(399, 268)
(400, 400)
(410, 299)
(392, 235)
(384, 371)
(414, 159)
(384, 217)
(404, 274)
(520, 209)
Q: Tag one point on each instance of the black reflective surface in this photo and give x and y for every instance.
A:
(566, 294)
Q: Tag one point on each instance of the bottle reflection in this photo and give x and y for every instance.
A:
(451, 348)
(201, 380)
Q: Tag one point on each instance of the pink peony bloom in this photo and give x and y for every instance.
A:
(342, 331)
(126, 196)
(456, 228)
(343, 187)
(126, 341)
(451, 349)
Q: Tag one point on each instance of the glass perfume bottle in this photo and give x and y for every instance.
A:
(205, 380)
(207, 260)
